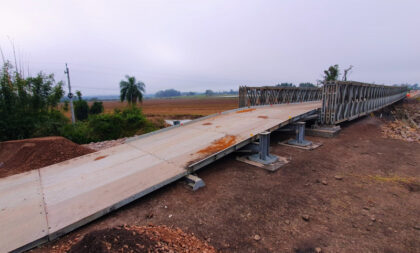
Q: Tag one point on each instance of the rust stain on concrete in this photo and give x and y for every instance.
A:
(246, 110)
(100, 157)
(218, 145)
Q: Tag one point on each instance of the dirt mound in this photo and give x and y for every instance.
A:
(29, 154)
(140, 239)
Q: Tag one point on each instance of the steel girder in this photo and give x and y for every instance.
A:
(251, 96)
(343, 101)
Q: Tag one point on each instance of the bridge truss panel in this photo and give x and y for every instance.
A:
(268, 95)
(343, 101)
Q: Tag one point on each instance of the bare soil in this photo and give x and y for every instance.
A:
(358, 192)
(29, 154)
(138, 239)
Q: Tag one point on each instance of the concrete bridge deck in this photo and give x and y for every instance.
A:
(42, 204)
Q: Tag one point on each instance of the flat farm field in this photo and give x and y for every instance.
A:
(177, 108)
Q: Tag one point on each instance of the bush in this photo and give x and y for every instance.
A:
(50, 124)
(103, 127)
(81, 110)
(78, 132)
(96, 108)
(106, 127)
(133, 120)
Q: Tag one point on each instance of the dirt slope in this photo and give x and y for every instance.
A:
(28, 154)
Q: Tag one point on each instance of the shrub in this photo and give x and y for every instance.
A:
(96, 108)
(106, 126)
(28, 105)
(133, 120)
(50, 124)
(103, 127)
(81, 110)
(78, 132)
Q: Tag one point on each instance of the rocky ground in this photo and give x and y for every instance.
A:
(104, 144)
(402, 120)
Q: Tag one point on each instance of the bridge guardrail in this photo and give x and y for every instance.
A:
(348, 100)
(268, 95)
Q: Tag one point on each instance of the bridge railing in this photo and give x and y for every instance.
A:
(343, 101)
(268, 95)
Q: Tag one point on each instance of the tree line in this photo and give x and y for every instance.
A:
(29, 107)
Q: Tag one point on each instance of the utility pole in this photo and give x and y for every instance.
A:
(70, 95)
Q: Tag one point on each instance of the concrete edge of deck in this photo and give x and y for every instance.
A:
(189, 169)
(193, 167)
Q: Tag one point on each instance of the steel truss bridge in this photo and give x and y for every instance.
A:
(45, 203)
(341, 100)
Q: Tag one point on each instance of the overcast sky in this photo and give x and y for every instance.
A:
(195, 45)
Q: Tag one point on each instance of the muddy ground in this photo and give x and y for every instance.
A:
(358, 192)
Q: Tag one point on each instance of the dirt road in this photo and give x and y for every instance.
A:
(359, 192)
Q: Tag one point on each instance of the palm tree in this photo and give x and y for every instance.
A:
(332, 73)
(131, 90)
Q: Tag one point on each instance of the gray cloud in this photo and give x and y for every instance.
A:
(194, 45)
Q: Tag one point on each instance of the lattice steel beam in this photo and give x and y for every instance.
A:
(268, 95)
(343, 101)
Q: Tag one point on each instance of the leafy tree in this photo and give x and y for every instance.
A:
(286, 85)
(332, 73)
(168, 93)
(131, 90)
(79, 95)
(209, 93)
(190, 93)
(28, 107)
(81, 107)
(96, 108)
(307, 85)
